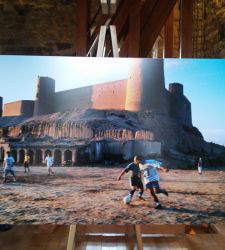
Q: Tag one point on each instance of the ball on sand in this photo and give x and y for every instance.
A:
(127, 199)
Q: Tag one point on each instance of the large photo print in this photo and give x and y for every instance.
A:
(111, 141)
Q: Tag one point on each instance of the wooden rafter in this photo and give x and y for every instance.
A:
(124, 51)
(134, 28)
(186, 24)
(153, 24)
(82, 36)
(168, 34)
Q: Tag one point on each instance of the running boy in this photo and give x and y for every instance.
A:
(8, 165)
(200, 165)
(135, 179)
(151, 178)
(49, 161)
(26, 163)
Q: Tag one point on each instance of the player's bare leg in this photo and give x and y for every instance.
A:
(141, 193)
(161, 191)
(132, 191)
(4, 178)
(158, 205)
(51, 171)
(14, 178)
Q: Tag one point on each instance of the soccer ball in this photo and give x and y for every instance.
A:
(127, 199)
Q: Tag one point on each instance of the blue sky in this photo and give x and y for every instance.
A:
(203, 80)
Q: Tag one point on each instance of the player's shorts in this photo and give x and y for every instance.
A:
(26, 164)
(49, 166)
(152, 184)
(9, 171)
(136, 182)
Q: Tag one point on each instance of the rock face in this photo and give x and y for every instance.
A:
(88, 124)
(116, 135)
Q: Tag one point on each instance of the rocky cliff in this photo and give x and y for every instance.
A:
(179, 143)
(87, 125)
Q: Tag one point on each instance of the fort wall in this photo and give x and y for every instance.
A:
(110, 95)
(180, 106)
(44, 103)
(74, 98)
(19, 108)
(146, 86)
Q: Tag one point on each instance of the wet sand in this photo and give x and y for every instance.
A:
(93, 195)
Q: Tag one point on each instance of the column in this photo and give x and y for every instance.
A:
(18, 155)
(43, 155)
(63, 156)
(74, 156)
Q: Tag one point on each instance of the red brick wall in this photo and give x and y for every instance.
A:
(24, 107)
(73, 98)
(12, 109)
(109, 95)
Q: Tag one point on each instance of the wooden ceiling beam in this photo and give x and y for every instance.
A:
(124, 50)
(186, 23)
(168, 36)
(120, 19)
(134, 28)
(82, 25)
(147, 10)
(154, 24)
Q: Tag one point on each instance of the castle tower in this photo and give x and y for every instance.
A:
(1, 106)
(44, 101)
(145, 86)
(179, 105)
(176, 89)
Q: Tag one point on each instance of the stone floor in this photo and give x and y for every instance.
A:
(93, 195)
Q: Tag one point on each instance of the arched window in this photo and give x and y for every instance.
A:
(31, 154)
(68, 157)
(14, 154)
(38, 157)
(21, 156)
(57, 157)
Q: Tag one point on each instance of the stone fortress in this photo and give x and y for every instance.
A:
(107, 121)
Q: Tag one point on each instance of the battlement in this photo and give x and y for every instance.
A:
(44, 96)
(176, 89)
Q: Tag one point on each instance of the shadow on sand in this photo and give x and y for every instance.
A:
(192, 193)
(216, 213)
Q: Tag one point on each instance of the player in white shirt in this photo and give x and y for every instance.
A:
(151, 178)
(49, 161)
